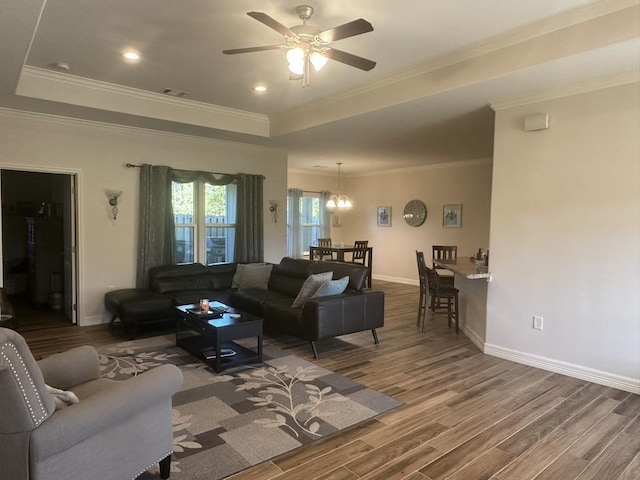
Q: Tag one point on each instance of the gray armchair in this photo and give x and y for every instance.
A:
(117, 430)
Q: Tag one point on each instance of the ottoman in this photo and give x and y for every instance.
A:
(135, 307)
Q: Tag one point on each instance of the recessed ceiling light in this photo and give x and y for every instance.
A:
(260, 88)
(131, 55)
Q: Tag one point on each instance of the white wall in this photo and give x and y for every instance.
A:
(97, 153)
(565, 236)
(394, 257)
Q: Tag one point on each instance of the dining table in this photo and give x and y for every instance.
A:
(340, 249)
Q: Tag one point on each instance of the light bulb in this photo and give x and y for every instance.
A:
(318, 61)
(295, 55)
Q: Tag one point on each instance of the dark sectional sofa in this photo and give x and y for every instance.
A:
(355, 310)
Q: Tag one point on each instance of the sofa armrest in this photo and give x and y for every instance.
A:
(336, 315)
(114, 405)
(71, 368)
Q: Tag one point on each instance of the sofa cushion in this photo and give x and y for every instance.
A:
(222, 275)
(332, 287)
(309, 287)
(239, 273)
(255, 276)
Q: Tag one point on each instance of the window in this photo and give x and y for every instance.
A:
(307, 220)
(310, 221)
(205, 218)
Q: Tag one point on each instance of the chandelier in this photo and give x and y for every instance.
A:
(339, 200)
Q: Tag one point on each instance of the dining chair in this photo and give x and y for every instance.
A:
(447, 253)
(324, 242)
(424, 289)
(359, 256)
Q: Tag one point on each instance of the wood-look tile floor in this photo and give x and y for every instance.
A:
(466, 415)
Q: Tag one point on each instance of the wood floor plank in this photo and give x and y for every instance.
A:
(577, 457)
(390, 451)
(614, 460)
(456, 398)
(484, 466)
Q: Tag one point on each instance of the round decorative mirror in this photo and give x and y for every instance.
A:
(415, 213)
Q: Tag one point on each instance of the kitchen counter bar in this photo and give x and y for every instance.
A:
(463, 267)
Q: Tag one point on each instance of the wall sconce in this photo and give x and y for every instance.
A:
(113, 196)
(274, 210)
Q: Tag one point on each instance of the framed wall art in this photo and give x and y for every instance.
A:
(384, 216)
(452, 215)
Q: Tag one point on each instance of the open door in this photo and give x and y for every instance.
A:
(69, 252)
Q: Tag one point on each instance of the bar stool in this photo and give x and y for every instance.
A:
(447, 253)
(443, 295)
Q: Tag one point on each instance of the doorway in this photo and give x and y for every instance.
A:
(38, 246)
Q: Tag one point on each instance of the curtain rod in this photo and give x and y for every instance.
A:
(133, 165)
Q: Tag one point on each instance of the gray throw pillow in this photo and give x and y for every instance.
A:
(237, 277)
(309, 287)
(332, 287)
(255, 276)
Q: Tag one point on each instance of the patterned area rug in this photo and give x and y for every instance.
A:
(225, 423)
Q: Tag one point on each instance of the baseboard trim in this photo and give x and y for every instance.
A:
(627, 384)
(473, 336)
(404, 281)
(92, 320)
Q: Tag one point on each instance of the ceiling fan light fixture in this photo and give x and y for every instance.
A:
(318, 61)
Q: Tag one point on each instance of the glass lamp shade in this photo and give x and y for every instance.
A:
(297, 68)
(295, 55)
(339, 201)
(318, 61)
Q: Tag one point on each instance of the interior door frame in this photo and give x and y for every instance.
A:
(76, 206)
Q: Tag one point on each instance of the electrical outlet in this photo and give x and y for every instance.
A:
(537, 322)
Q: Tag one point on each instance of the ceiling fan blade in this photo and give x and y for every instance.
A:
(270, 22)
(350, 29)
(252, 49)
(294, 76)
(349, 59)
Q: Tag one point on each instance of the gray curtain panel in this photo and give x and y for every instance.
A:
(250, 224)
(294, 243)
(156, 233)
(325, 215)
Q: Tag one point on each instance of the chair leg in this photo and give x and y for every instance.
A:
(421, 309)
(315, 351)
(165, 467)
(375, 336)
(455, 299)
(449, 313)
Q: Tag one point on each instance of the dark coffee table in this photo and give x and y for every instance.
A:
(204, 336)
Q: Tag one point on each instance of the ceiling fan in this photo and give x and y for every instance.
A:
(306, 45)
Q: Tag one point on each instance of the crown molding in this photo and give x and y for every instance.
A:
(123, 129)
(46, 84)
(586, 86)
(430, 166)
(414, 168)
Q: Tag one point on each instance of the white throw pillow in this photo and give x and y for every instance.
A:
(309, 287)
(332, 287)
(62, 398)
